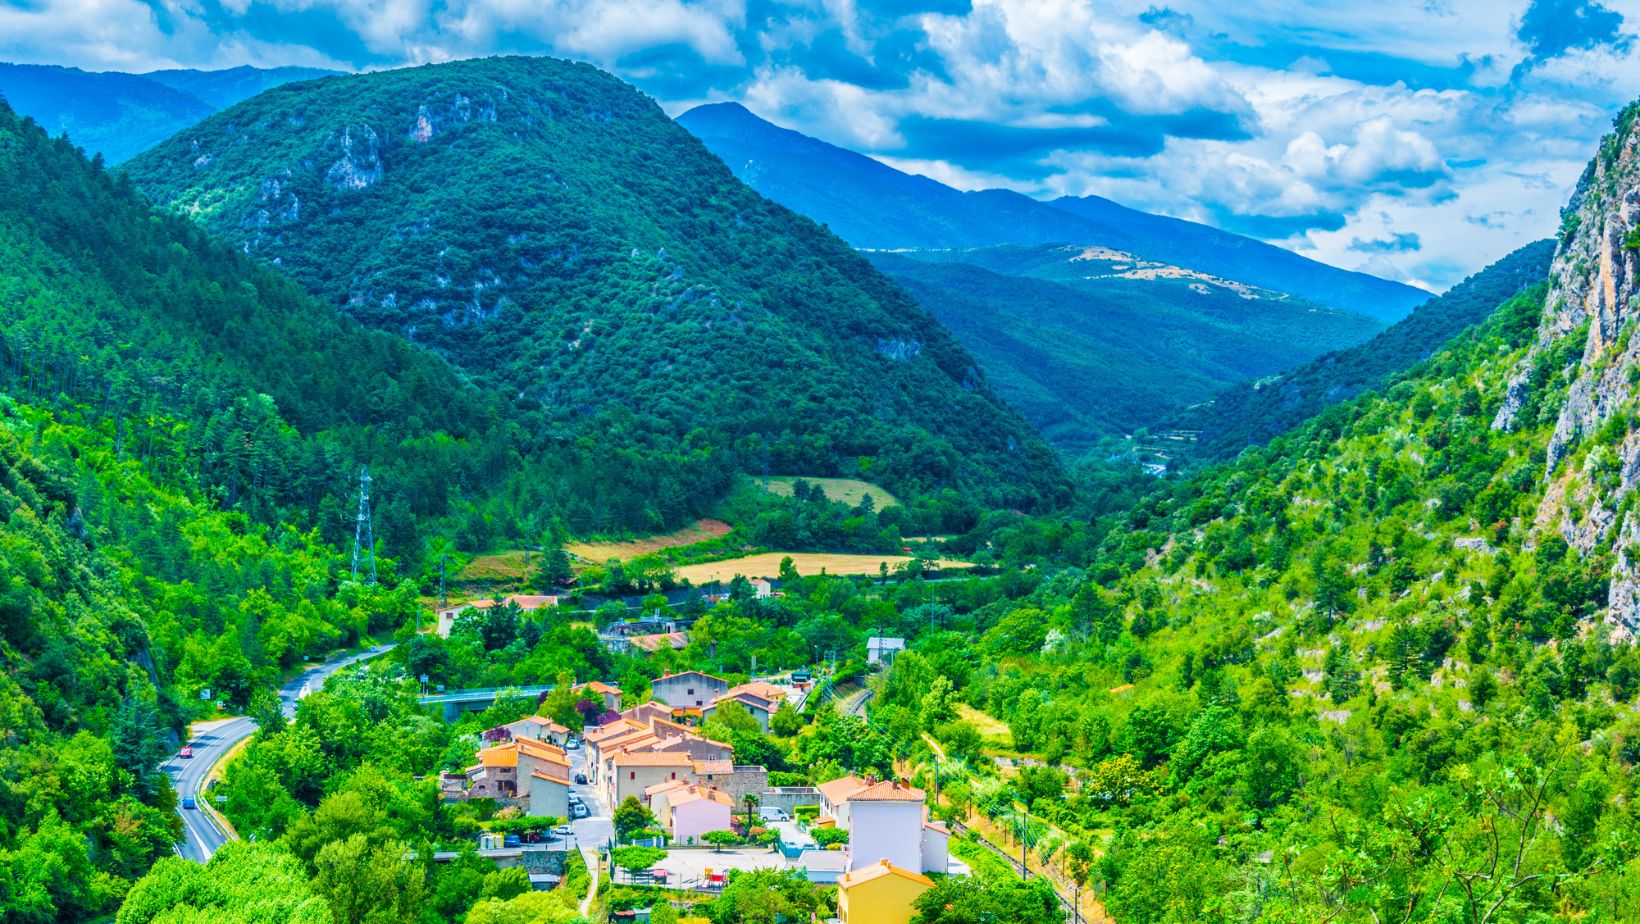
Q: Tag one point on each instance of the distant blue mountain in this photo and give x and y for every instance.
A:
(875, 207)
(222, 89)
(118, 115)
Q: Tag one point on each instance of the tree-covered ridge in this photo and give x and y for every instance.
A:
(1088, 355)
(136, 316)
(1340, 679)
(1251, 413)
(547, 228)
(122, 598)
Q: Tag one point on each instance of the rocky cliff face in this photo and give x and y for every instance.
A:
(1583, 371)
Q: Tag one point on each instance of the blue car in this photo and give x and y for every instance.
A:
(188, 802)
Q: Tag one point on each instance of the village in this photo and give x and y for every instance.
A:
(644, 794)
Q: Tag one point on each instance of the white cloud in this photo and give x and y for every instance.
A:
(1361, 121)
(601, 30)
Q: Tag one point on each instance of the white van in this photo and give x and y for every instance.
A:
(773, 814)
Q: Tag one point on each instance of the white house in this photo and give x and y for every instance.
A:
(885, 821)
(687, 810)
(760, 699)
(688, 690)
(881, 650)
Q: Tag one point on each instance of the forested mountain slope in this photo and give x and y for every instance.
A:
(1380, 669)
(1090, 353)
(179, 436)
(116, 114)
(872, 205)
(181, 433)
(548, 229)
(1251, 413)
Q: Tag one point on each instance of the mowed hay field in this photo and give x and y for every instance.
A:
(767, 565)
(701, 531)
(843, 490)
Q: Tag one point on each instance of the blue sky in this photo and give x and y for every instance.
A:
(1417, 139)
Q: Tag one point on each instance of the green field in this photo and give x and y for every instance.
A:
(843, 490)
(767, 564)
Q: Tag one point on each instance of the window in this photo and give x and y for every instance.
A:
(691, 691)
(632, 775)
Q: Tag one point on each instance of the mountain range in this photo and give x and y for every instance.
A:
(1214, 296)
(117, 114)
(1373, 660)
(1091, 345)
(875, 207)
(551, 232)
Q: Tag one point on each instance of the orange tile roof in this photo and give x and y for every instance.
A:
(647, 712)
(838, 790)
(878, 870)
(542, 721)
(759, 689)
(502, 755)
(888, 791)
(540, 749)
(697, 794)
(634, 739)
(598, 686)
(555, 779)
(659, 788)
(714, 766)
(602, 733)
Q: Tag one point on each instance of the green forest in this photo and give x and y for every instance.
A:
(550, 231)
(1362, 659)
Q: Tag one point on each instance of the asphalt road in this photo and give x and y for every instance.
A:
(593, 832)
(200, 836)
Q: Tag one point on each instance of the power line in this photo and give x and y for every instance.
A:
(364, 536)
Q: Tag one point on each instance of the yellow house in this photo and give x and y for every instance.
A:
(881, 893)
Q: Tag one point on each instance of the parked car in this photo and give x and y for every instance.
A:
(563, 831)
(573, 744)
(187, 751)
(581, 779)
(773, 814)
(512, 840)
(579, 810)
(188, 802)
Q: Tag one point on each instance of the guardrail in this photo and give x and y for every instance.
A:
(1073, 914)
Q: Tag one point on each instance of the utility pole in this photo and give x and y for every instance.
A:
(1024, 832)
(364, 537)
(443, 601)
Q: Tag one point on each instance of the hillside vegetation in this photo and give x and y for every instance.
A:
(1250, 413)
(1088, 353)
(1341, 679)
(550, 231)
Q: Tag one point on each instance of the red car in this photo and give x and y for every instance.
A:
(187, 751)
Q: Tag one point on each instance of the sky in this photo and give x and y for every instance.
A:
(1415, 139)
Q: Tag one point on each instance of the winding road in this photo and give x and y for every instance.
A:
(211, 742)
